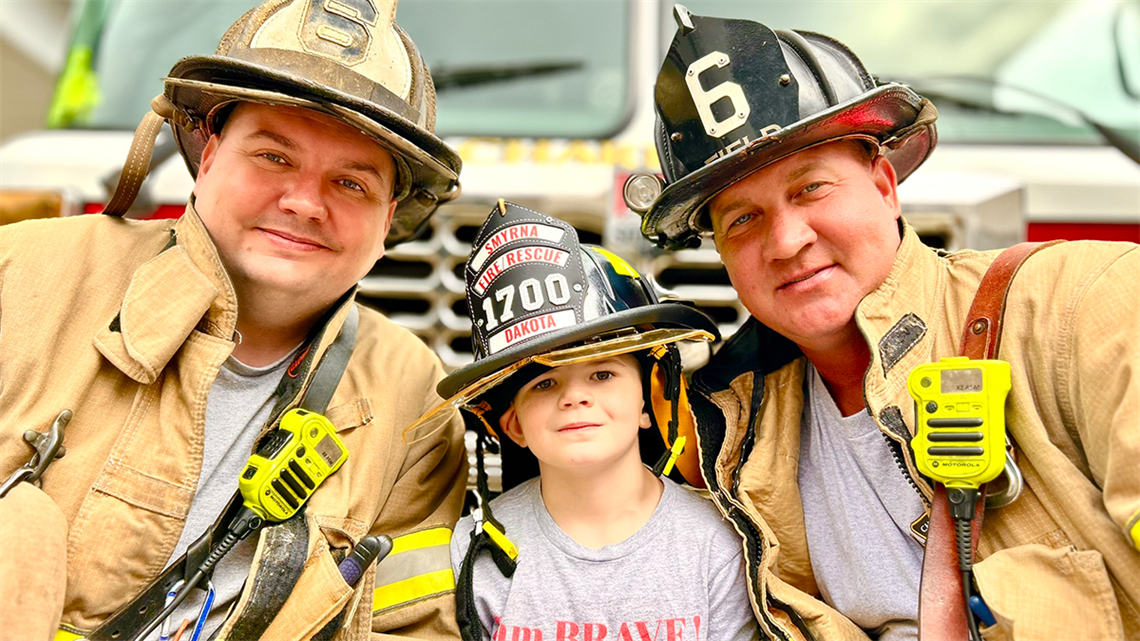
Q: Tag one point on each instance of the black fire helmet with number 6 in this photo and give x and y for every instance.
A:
(734, 96)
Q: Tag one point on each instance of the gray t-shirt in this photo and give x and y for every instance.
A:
(681, 576)
(858, 509)
(239, 403)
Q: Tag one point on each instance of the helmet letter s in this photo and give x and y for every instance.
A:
(338, 29)
(704, 99)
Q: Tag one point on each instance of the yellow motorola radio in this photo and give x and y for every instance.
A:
(290, 464)
(960, 410)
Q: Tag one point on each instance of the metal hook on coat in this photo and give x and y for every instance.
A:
(1014, 483)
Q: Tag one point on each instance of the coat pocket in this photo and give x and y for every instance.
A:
(320, 594)
(1038, 592)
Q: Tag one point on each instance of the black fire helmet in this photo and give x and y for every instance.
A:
(734, 96)
(539, 299)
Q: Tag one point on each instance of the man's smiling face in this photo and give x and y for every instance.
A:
(807, 237)
(296, 201)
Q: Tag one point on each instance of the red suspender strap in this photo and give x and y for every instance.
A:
(941, 610)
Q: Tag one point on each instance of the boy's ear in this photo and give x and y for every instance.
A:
(645, 422)
(509, 425)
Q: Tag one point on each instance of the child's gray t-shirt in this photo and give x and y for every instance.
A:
(681, 576)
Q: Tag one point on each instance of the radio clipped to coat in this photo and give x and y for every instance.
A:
(960, 437)
(960, 443)
(291, 464)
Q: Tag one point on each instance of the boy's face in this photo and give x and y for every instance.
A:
(580, 416)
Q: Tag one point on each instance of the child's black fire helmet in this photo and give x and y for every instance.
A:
(539, 299)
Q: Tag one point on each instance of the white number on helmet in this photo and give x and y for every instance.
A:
(704, 99)
(530, 294)
(489, 310)
(506, 296)
(557, 290)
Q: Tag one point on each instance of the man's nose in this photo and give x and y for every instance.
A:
(304, 197)
(789, 231)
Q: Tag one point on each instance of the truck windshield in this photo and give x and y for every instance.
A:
(531, 68)
(999, 71)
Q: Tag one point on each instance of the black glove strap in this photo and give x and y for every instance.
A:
(466, 614)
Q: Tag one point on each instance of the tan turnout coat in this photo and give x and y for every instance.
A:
(97, 317)
(1058, 563)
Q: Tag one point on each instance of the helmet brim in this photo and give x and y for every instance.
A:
(199, 84)
(663, 315)
(887, 114)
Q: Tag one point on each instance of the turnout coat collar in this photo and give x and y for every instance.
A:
(181, 289)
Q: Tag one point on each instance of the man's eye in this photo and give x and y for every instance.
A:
(352, 184)
(812, 187)
(740, 220)
(273, 158)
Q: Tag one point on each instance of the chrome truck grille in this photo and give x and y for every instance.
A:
(420, 284)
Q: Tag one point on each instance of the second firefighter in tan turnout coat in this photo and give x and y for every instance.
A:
(806, 422)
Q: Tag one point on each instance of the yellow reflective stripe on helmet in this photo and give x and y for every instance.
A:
(620, 266)
(66, 635)
(418, 567)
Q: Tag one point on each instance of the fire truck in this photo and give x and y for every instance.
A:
(550, 104)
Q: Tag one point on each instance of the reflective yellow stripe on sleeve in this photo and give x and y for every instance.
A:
(419, 567)
(65, 635)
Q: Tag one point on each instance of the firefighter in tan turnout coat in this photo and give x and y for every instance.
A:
(783, 148)
(177, 345)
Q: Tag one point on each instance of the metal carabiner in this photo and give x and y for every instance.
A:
(21, 474)
(164, 631)
(477, 513)
(48, 446)
(1012, 488)
(204, 612)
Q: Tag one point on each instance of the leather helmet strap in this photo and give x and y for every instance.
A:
(941, 608)
(136, 167)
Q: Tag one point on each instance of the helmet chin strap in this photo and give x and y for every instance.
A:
(668, 363)
(137, 165)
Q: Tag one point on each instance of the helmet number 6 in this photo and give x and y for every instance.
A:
(726, 90)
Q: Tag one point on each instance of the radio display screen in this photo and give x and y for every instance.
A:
(961, 381)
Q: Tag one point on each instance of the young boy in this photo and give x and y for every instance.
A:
(573, 355)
